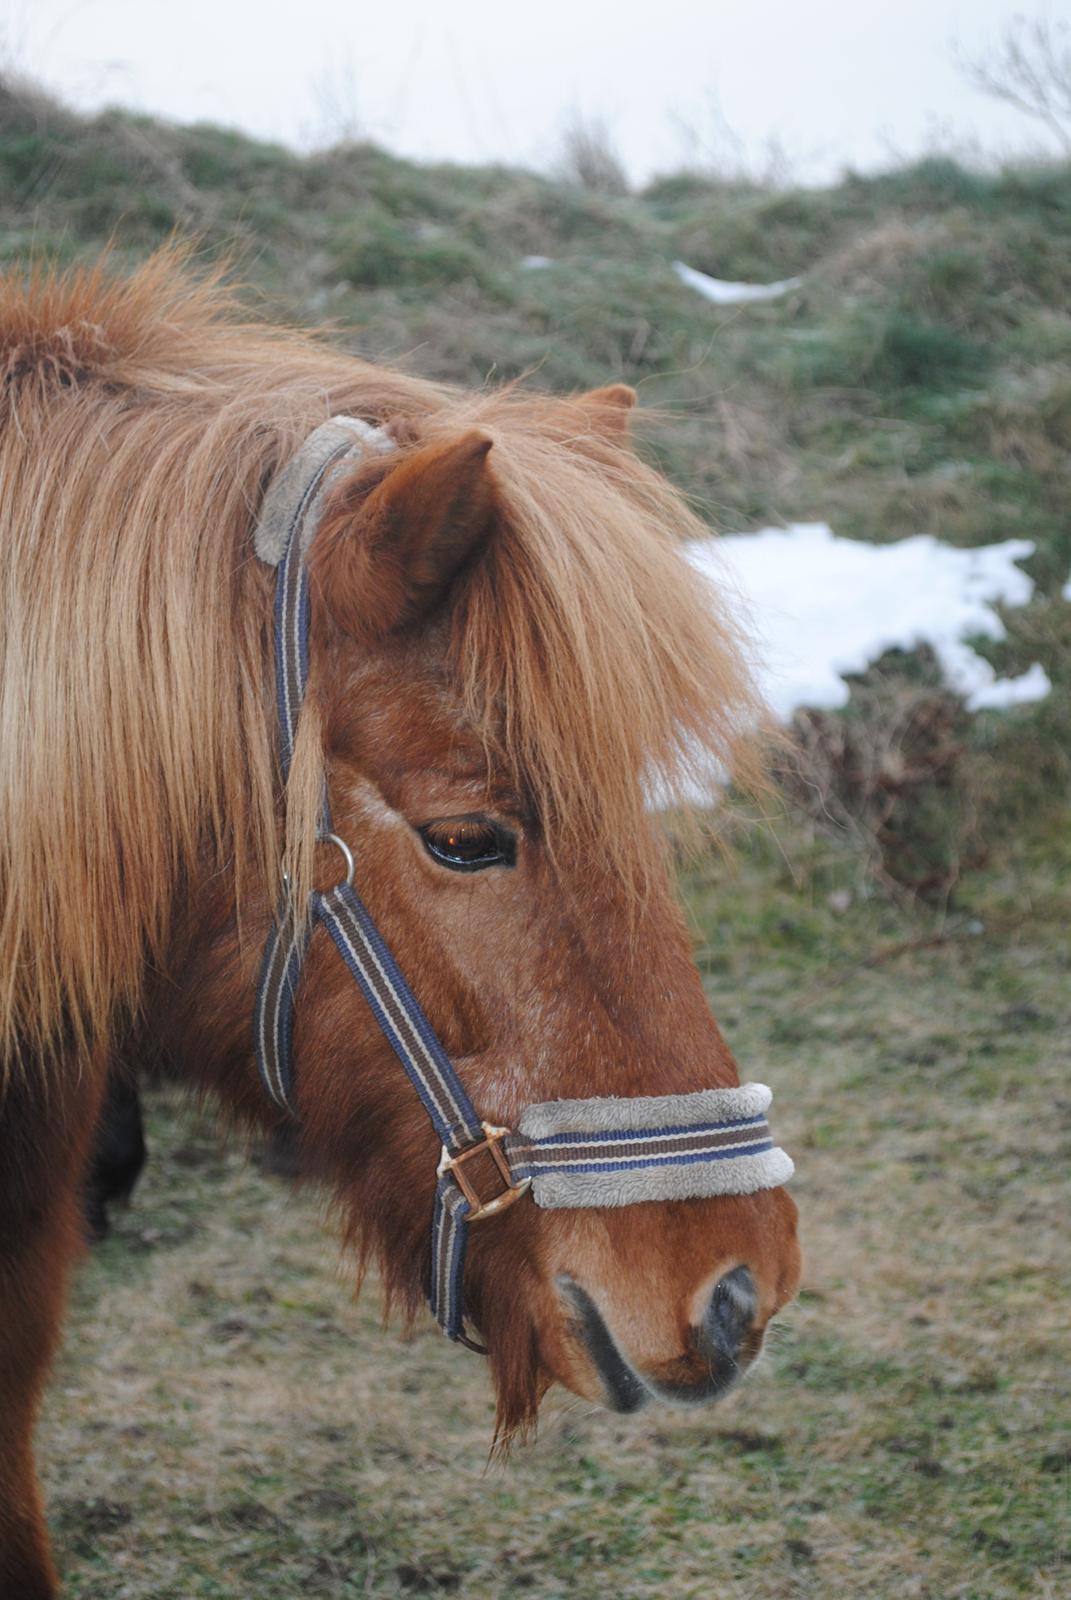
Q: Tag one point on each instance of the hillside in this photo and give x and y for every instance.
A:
(918, 380)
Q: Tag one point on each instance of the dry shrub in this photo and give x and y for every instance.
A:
(877, 261)
(25, 105)
(588, 158)
(891, 774)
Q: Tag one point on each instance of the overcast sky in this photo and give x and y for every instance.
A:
(831, 82)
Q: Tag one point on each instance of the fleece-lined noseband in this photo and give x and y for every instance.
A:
(600, 1152)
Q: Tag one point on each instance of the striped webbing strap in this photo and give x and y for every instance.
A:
(398, 1012)
(607, 1151)
(342, 912)
(430, 1071)
(575, 1155)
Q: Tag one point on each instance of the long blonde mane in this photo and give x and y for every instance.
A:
(140, 420)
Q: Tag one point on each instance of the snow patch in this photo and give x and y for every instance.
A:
(723, 293)
(1033, 684)
(821, 606)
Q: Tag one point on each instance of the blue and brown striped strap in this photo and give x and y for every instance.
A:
(432, 1074)
(273, 1014)
(403, 1023)
(289, 518)
(287, 522)
(611, 1152)
(396, 1009)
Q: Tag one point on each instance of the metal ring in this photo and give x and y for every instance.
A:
(347, 854)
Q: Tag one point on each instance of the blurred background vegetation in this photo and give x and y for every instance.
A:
(918, 380)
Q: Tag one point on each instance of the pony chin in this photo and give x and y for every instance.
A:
(517, 1372)
(503, 1312)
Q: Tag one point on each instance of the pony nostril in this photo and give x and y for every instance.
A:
(729, 1316)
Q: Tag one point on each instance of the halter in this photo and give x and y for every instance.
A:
(567, 1153)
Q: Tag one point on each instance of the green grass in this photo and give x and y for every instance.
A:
(226, 1420)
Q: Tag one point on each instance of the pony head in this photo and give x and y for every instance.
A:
(496, 687)
(509, 657)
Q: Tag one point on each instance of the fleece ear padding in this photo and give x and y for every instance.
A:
(299, 492)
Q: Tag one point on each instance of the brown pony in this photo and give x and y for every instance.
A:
(504, 633)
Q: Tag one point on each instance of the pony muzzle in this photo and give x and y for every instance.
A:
(719, 1347)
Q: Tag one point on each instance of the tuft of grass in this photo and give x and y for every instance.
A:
(589, 159)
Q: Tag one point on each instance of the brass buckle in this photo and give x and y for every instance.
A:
(479, 1209)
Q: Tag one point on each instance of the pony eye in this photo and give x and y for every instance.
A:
(468, 844)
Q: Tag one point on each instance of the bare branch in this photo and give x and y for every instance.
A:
(1028, 68)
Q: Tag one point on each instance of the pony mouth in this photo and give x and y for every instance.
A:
(720, 1350)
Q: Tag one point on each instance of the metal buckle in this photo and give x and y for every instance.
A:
(479, 1209)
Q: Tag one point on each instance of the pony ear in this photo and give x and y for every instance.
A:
(384, 558)
(607, 411)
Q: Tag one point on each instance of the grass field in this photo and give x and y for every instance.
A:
(226, 1421)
